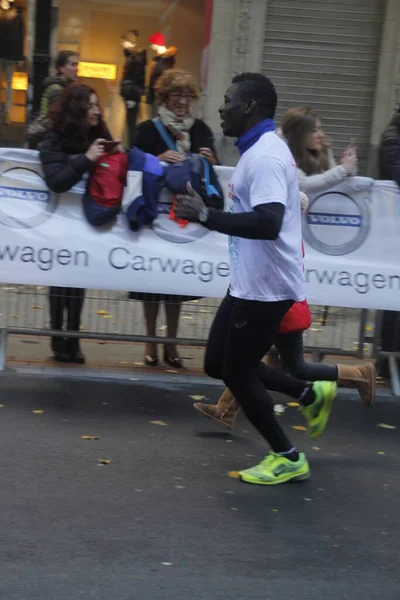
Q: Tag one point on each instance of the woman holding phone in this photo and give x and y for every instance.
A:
(77, 138)
(316, 166)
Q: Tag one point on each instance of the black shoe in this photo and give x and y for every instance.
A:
(77, 357)
(151, 361)
(175, 363)
(61, 356)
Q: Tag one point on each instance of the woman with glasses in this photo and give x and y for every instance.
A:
(172, 135)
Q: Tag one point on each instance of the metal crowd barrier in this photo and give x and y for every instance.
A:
(112, 316)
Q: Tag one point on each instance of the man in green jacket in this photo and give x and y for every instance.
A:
(66, 72)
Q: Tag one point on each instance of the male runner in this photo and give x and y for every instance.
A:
(264, 228)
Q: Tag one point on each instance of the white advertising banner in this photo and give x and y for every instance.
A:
(351, 238)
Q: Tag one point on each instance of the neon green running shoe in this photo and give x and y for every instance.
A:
(274, 469)
(317, 414)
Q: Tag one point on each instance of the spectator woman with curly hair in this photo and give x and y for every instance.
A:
(172, 135)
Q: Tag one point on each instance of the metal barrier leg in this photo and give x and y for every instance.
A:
(361, 334)
(3, 348)
(394, 375)
(316, 356)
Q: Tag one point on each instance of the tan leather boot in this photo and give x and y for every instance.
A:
(361, 377)
(224, 412)
(273, 361)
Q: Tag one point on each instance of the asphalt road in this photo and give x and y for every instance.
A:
(164, 521)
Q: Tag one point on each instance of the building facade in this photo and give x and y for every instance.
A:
(341, 58)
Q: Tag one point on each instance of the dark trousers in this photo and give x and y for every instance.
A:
(242, 333)
(391, 331)
(69, 301)
(291, 352)
(390, 339)
(131, 118)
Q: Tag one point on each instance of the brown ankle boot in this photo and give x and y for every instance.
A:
(273, 361)
(224, 412)
(361, 377)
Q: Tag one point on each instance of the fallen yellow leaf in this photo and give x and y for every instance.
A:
(1, 405)
(138, 364)
(233, 508)
(102, 312)
(171, 371)
(187, 318)
(299, 427)
(197, 398)
(15, 316)
(161, 423)
(104, 461)
(37, 307)
(228, 441)
(275, 510)
(162, 328)
(38, 412)
(107, 316)
(89, 437)
(293, 404)
(386, 426)
(316, 448)
(381, 453)
(234, 474)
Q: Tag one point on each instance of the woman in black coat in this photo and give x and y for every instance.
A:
(67, 152)
(169, 137)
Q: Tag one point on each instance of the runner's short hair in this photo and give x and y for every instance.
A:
(257, 87)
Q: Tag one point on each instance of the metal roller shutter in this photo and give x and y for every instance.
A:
(325, 54)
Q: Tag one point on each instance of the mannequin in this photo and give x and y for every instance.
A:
(133, 80)
(164, 59)
(11, 47)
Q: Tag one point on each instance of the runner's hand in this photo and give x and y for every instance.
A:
(188, 206)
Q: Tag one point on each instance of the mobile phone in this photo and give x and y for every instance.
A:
(110, 145)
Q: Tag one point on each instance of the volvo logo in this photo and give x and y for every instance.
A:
(336, 223)
(25, 201)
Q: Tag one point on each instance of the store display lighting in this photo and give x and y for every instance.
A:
(19, 82)
(97, 70)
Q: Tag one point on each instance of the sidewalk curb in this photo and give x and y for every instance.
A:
(146, 378)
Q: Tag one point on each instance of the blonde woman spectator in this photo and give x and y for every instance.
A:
(317, 169)
(172, 135)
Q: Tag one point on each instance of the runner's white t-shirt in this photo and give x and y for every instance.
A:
(267, 270)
